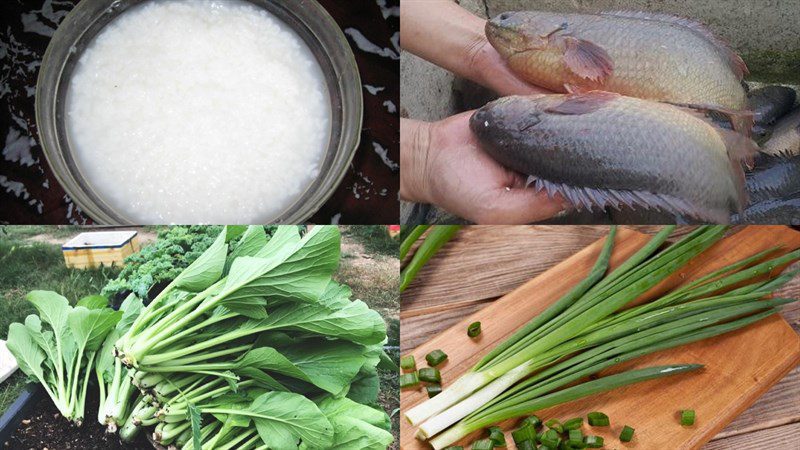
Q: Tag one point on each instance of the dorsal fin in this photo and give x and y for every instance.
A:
(735, 62)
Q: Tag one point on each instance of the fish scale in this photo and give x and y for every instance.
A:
(615, 150)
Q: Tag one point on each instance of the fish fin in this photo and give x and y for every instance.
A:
(586, 59)
(576, 89)
(583, 103)
(589, 198)
(735, 62)
(742, 121)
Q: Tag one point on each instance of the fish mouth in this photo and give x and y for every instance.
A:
(503, 33)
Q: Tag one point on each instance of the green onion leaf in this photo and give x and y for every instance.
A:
(554, 424)
(687, 417)
(524, 433)
(551, 438)
(627, 434)
(409, 380)
(574, 424)
(598, 419)
(474, 329)
(594, 441)
(435, 357)
(433, 390)
(430, 375)
(526, 445)
(408, 363)
(497, 437)
(483, 444)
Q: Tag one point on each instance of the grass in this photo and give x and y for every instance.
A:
(374, 238)
(27, 266)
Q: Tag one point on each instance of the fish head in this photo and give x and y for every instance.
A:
(507, 117)
(521, 31)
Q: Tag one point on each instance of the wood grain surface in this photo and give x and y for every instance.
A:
(482, 263)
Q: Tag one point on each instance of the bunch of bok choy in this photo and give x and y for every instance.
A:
(588, 330)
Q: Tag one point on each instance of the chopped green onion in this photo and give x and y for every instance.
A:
(433, 390)
(408, 363)
(687, 417)
(551, 438)
(574, 424)
(575, 437)
(524, 433)
(408, 380)
(483, 444)
(474, 329)
(497, 437)
(554, 424)
(430, 375)
(547, 447)
(594, 441)
(435, 357)
(526, 445)
(627, 434)
(598, 419)
(534, 421)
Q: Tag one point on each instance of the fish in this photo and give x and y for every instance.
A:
(647, 55)
(775, 211)
(785, 139)
(774, 177)
(770, 103)
(601, 149)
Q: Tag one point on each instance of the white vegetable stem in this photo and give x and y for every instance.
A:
(461, 388)
(473, 402)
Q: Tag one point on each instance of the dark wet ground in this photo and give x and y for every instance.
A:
(45, 428)
(30, 194)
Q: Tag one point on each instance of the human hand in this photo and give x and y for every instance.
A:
(449, 36)
(444, 165)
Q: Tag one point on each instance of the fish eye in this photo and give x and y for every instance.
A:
(504, 16)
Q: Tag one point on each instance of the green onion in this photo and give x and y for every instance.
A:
(574, 424)
(547, 447)
(598, 419)
(408, 380)
(435, 357)
(524, 433)
(474, 329)
(430, 375)
(483, 444)
(408, 363)
(526, 445)
(409, 240)
(533, 421)
(433, 390)
(556, 398)
(497, 437)
(554, 424)
(575, 437)
(551, 438)
(594, 441)
(627, 434)
(437, 237)
(687, 417)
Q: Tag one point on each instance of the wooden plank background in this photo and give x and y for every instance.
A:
(497, 259)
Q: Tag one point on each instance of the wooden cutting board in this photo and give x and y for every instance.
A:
(740, 366)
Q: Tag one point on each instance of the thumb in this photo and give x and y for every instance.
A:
(518, 206)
